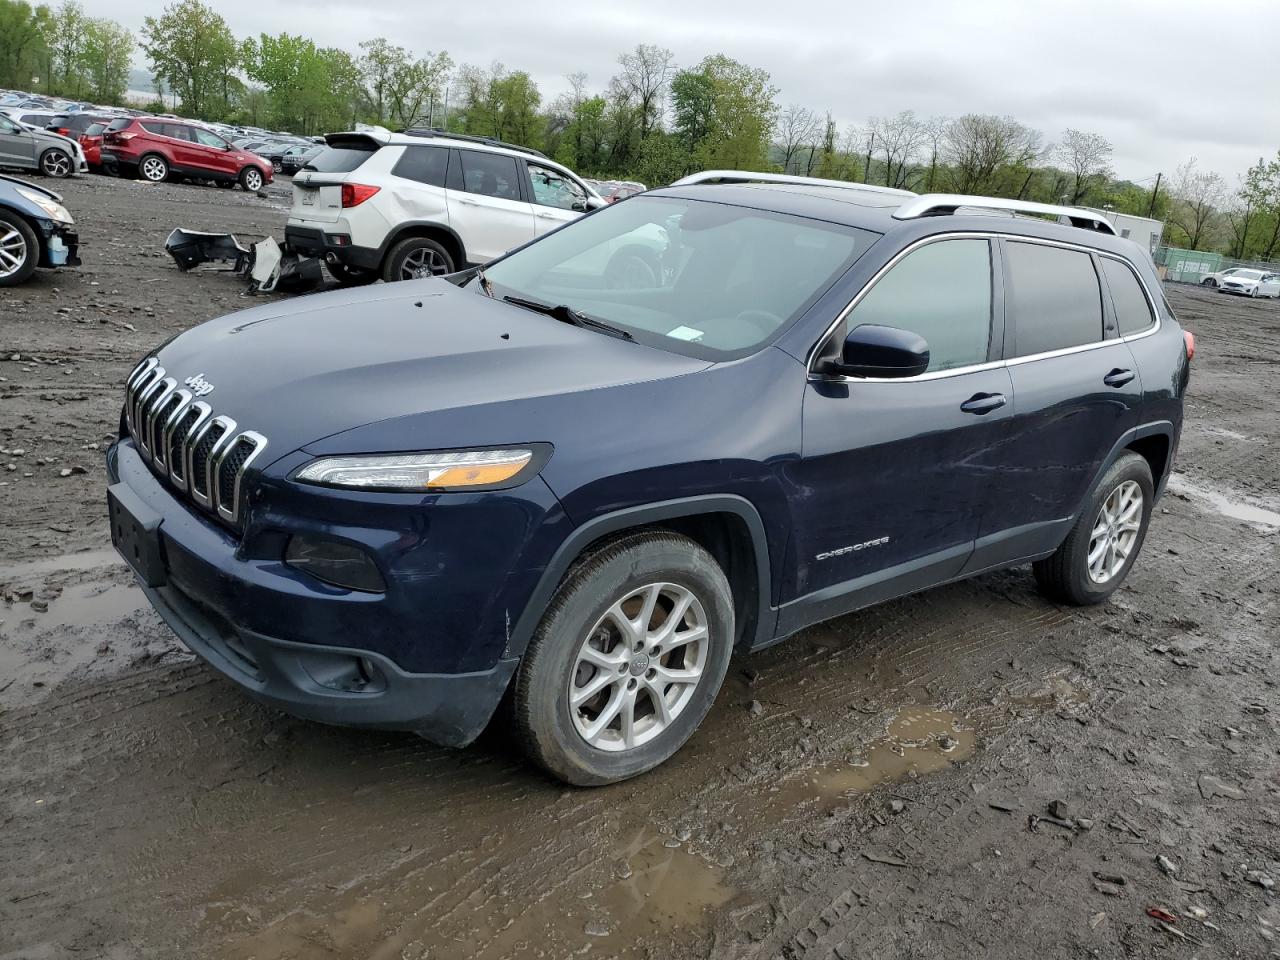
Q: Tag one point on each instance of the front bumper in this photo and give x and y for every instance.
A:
(253, 622)
(315, 242)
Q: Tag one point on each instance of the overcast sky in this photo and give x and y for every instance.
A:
(1163, 81)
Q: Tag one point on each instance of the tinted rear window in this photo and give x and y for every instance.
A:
(342, 158)
(1055, 298)
(423, 164)
(94, 130)
(118, 124)
(1133, 312)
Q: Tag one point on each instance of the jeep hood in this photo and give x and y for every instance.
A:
(302, 370)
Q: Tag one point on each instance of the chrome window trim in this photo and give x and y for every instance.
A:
(180, 473)
(990, 364)
(1146, 292)
(259, 444)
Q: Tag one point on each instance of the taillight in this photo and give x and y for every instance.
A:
(354, 194)
(63, 131)
(124, 136)
(1190, 342)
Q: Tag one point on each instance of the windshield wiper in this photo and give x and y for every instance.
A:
(566, 314)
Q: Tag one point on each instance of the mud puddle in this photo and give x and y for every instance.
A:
(84, 606)
(918, 741)
(643, 888)
(85, 560)
(1227, 506)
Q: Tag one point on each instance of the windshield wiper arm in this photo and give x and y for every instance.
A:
(566, 314)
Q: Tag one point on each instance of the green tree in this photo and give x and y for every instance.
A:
(108, 50)
(23, 48)
(65, 38)
(725, 112)
(496, 103)
(191, 48)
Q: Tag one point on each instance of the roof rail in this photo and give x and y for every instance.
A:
(941, 204)
(748, 176)
(490, 141)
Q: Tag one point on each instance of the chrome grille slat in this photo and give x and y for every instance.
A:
(200, 454)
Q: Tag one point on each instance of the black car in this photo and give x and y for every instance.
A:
(397, 506)
(295, 159)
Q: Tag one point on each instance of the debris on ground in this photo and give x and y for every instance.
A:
(1211, 787)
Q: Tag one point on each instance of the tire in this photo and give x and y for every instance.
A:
(19, 249)
(633, 267)
(56, 163)
(622, 576)
(1208, 282)
(1067, 575)
(153, 168)
(251, 179)
(414, 258)
(350, 276)
(276, 167)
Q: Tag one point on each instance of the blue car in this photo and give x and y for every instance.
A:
(36, 230)
(396, 506)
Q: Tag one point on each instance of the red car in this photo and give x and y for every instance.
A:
(91, 144)
(157, 148)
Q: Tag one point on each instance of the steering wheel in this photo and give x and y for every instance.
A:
(762, 320)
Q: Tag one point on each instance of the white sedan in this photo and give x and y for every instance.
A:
(1251, 283)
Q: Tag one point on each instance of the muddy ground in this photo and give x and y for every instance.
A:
(971, 772)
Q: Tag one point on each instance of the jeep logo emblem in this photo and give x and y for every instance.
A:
(199, 385)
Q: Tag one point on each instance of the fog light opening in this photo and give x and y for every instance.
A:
(370, 675)
(335, 562)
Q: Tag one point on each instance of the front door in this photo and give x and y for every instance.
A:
(896, 473)
(556, 198)
(486, 208)
(17, 145)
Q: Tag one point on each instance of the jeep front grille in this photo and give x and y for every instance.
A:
(181, 439)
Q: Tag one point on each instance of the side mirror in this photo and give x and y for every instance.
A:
(871, 350)
(595, 203)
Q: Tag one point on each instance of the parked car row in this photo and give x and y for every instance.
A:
(1245, 281)
(614, 190)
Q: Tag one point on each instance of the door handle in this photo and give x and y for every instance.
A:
(1118, 377)
(983, 403)
(469, 203)
(547, 216)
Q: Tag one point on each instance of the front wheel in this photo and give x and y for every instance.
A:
(1208, 282)
(1100, 549)
(19, 249)
(627, 660)
(251, 179)
(56, 163)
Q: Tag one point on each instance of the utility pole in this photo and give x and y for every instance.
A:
(1152, 209)
(866, 170)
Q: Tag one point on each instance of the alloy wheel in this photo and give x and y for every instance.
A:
(423, 263)
(13, 250)
(154, 169)
(1115, 532)
(56, 164)
(253, 180)
(638, 667)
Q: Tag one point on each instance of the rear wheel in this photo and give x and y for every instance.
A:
(19, 249)
(627, 660)
(56, 163)
(251, 179)
(1208, 282)
(153, 168)
(1100, 549)
(415, 258)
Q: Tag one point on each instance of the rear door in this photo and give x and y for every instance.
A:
(1076, 391)
(418, 192)
(487, 208)
(556, 198)
(317, 187)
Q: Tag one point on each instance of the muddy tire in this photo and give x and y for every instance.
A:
(19, 249)
(627, 659)
(350, 276)
(56, 163)
(415, 258)
(251, 179)
(1104, 543)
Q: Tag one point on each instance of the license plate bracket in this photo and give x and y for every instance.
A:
(135, 533)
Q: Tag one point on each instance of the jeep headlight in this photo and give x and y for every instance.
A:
(414, 472)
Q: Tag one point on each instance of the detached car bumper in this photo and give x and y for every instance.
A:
(192, 571)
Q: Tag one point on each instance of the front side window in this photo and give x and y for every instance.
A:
(424, 164)
(551, 188)
(1133, 312)
(210, 139)
(7, 125)
(697, 277)
(942, 291)
(490, 175)
(1053, 296)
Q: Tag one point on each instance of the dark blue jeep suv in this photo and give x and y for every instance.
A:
(583, 487)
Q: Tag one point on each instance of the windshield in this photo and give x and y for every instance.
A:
(1247, 275)
(697, 277)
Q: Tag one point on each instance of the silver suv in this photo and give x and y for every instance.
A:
(27, 148)
(398, 206)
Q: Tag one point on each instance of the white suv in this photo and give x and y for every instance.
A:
(422, 203)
